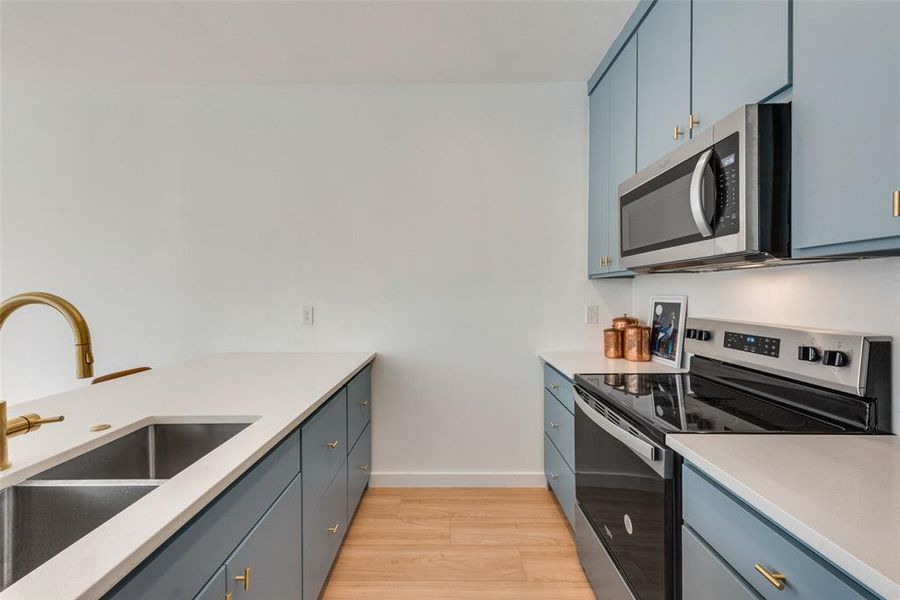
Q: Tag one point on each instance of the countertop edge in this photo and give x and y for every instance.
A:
(830, 551)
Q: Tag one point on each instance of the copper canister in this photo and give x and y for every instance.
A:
(612, 343)
(637, 343)
(624, 321)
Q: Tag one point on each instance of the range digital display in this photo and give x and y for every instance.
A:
(754, 344)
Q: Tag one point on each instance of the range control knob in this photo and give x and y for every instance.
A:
(835, 358)
(808, 353)
(690, 334)
(703, 335)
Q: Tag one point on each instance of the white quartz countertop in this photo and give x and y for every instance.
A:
(274, 391)
(571, 362)
(839, 494)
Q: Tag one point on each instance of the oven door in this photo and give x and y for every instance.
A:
(625, 490)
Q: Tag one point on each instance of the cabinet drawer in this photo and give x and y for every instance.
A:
(359, 404)
(270, 554)
(559, 424)
(744, 539)
(559, 386)
(705, 576)
(358, 469)
(561, 479)
(324, 526)
(324, 447)
(184, 564)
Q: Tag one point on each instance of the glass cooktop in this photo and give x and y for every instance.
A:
(723, 400)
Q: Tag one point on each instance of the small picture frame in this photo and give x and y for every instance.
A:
(667, 315)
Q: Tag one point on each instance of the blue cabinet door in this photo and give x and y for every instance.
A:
(730, 65)
(324, 439)
(846, 115)
(268, 563)
(359, 405)
(359, 465)
(623, 104)
(324, 526)
(664, 79)
(216, 588)
(598, 180)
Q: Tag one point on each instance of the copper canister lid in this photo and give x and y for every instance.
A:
(624, 321)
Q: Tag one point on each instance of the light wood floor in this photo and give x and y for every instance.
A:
(459, 543)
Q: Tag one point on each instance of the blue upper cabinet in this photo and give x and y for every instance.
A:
(846, 119)
(741, 55)
(663, 79)
(598, 181)
(623, 104)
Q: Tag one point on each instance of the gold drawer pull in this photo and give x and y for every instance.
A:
(227, 595)
(776, 579)
(554, 425)
(554, 386)
(333, 444)
(363, 402)
(245, 578)
(333, 530)
(692, 121)
(364, 468)
(554, 476)
(677, 133)
(897, 203)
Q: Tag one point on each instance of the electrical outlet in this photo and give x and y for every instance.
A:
(591, 314)
(307, 314)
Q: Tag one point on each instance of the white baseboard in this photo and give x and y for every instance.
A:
(500, 480)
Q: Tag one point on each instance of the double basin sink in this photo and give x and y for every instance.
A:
(49, 512)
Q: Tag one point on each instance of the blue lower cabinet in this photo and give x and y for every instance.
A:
(324, 446)
(359, 404)
(559, 386)
(184, 564)
(706, 576)
(559, 425)
(216, 588)
(561, 479)
(267, 563)
(358, 469)
(324, 526)
(760, 552)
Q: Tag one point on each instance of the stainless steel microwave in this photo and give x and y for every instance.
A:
(721, 200)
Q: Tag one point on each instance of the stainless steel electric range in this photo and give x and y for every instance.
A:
(743, 378)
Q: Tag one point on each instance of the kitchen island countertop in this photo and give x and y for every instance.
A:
(274, 392)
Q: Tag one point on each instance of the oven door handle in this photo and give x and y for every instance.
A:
(698, 208)
(647, 451)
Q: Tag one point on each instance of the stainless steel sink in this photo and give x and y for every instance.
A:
(154, 452)
(42, 518)
(54, 509)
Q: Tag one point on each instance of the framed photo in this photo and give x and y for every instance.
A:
(667, 314)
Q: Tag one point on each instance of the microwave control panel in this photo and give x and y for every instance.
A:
(727, 192)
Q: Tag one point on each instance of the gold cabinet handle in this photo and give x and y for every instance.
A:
(776, 579)
(676, 133)
(554, 386)
(554, 476)
(364, 467)
(554, 425)
(227, 595)
(897, 203)
(245, 578)
(333, 530)
(363, 402)
(692, 122)
(333, 444)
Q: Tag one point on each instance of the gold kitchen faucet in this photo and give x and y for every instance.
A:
(84, 363)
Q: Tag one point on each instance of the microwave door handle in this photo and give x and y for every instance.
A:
(646, 451)
(697, 205)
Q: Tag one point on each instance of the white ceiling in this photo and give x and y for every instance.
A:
(220, 42)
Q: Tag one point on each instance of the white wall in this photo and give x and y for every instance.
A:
(441, 226)
(861, 296)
